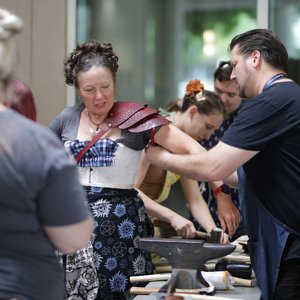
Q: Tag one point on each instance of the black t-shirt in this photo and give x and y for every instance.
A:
(270, 123)
(39, 187)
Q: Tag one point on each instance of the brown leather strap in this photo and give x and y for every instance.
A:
(79, 156)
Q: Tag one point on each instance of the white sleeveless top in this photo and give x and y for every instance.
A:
(117, 169)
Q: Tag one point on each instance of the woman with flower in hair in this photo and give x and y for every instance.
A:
(107, 137)
(198, 114)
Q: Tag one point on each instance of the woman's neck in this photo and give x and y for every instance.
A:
(94, 118)
(176, 119)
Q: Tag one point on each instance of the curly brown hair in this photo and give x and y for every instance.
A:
(87, 55)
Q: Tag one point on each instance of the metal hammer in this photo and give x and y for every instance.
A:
(215, 236)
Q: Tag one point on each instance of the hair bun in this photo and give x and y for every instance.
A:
(10, 24)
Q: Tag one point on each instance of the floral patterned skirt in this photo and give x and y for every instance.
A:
(120, 219)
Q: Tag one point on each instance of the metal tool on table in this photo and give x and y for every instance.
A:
(214, 236)
(187, 258)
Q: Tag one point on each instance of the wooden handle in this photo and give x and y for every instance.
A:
(243, 282)
(163, 269)
(203, 297)
(161, 224)
(135, 290)
(201, 235)
(149, 278)
(147, 290)
(238, 258)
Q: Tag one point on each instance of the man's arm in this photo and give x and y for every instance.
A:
(216, 164)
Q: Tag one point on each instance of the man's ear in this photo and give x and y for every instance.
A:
(256, 57)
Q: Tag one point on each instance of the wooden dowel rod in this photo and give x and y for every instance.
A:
(146, 291)
(149, 278)
(243, 282)
(136, 290)
(238, 258)
(163, 269)
(203, 297)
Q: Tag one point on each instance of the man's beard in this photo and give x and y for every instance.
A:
(240, 91)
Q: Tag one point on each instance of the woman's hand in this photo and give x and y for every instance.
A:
(183, 226)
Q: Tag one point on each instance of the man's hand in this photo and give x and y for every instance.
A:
(228, 213)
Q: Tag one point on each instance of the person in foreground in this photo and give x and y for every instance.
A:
(198, 114)
(263, 144)
(107, 138)
(223, 202)
(38, 181)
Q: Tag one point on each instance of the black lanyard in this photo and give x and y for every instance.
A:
(272, 80)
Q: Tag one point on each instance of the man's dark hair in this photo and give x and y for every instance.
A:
(263, 40)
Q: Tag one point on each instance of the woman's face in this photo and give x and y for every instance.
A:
(200, 126)
(96, 88)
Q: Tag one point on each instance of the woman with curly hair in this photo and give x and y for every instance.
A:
(107, 138)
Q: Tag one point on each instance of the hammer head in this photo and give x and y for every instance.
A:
(215, 236)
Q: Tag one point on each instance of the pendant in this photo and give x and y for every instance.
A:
(94, 132)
